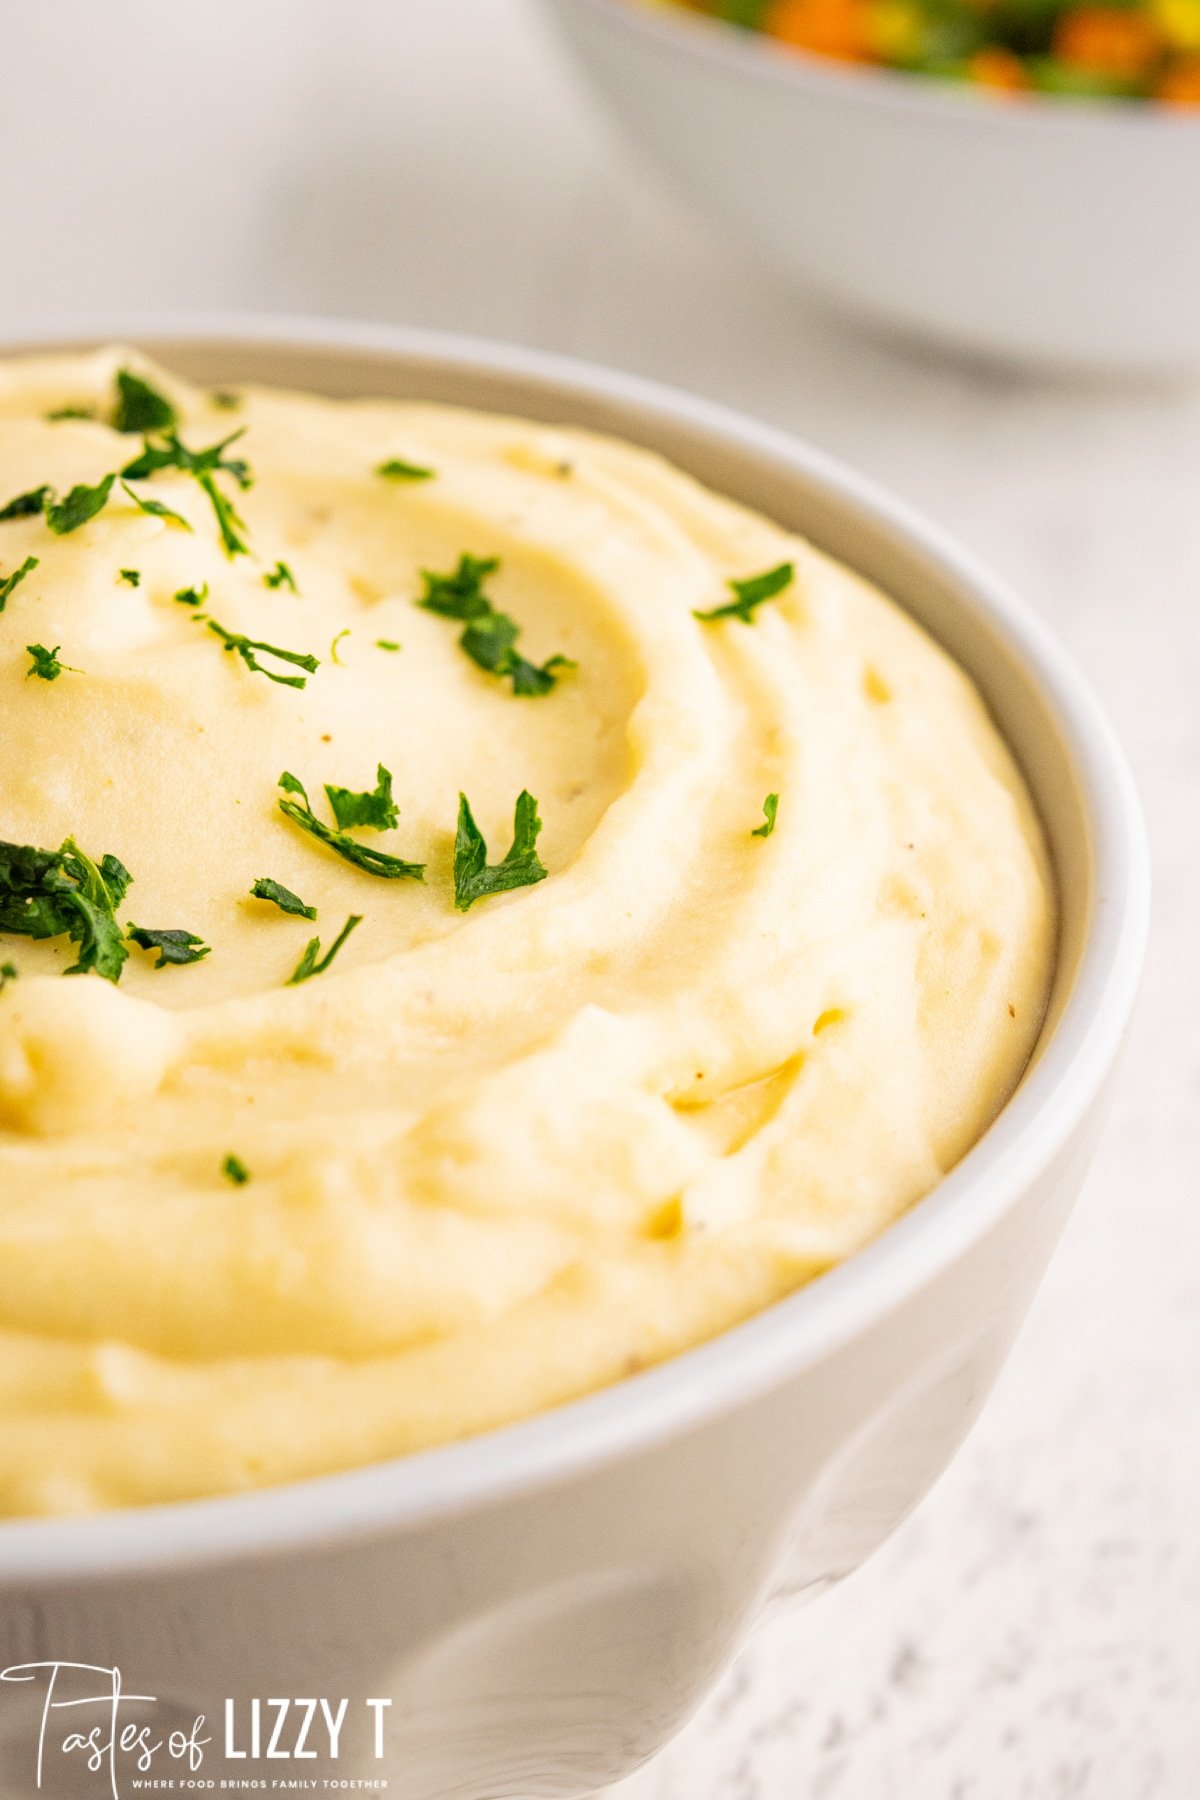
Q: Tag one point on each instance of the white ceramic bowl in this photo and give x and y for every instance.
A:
(546, 1604)
(1054, 232)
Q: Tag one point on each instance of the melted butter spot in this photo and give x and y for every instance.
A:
(833, 1015)
(731, 1119)
(875, 687)
(666, 1221)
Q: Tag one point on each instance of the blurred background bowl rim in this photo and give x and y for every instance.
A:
(751, 52)
(664, 1401)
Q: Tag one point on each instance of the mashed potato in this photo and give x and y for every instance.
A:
(561, 1104)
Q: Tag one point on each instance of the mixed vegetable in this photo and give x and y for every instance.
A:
(1144, 49)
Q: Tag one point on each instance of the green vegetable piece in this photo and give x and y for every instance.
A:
(45, 664)
(770, 809)
(245, 648)
(397, 470)
(156, 509)
(192, 596)
(140, 407)
(80, 505)
(308, 966)
(280, 576)
(371, 862)
(266, 889)
(376, 809)
(203, 465)
(8, 972)
(474, 879)
(131, 577)
(28, 505)
(174, 947)
(751, 593)
(387, 644)
(62, 893)
(69, 412)
(9, 582)
(235, 1170)
(490, 636)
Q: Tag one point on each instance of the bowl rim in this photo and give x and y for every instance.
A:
(718, 42)
(667, 1399)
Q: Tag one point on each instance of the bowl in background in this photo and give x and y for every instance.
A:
(1058, 233)
(545, 1605)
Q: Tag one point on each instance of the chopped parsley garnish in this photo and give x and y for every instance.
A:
(80, 505)
(9, 582)
(192, 596)
(395, 469)
(376, 809)
(46, 665)
(157, 510)
(266, 889)
(474, 878)
(333, 648)
(490, 636)
(309, 965)
(131, 577)
(770, 809)
(387, 644)
(62, 893)
(372, 862)
(751, 593)
(26, 506)
(69, 412)
(172, 946)
(140, 407)
(280, 576)
(8, 972)
(203, 465)
(246, 647)
(233, 1169)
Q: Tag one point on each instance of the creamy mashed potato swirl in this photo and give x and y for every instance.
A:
(494, 1158)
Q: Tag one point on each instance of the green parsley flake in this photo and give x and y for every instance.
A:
(387, 644)
(80, 505)
(521, 867)
(174, 947)
(397, 470)
(157, 510)
(489, 636)
(140, 407)
(376, 809)
(192, 596)
(308, 966)
(282, 897)
(371, 862)
(46, 665)
(280, 576)
(233, 1169)
(770, 808)
(69, 412)
(132, 577)
(245, 648)
(751, 593)
(333, 648)
(8, 972)
(28, 505)
(63, 893)
(9, 582)
(203, 466)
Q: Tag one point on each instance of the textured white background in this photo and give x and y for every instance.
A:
(1035, 1630)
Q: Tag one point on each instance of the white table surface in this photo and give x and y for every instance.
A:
(1035, 1630)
